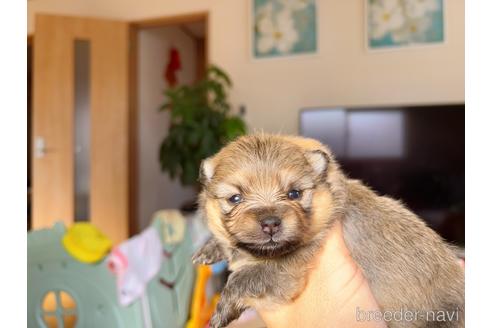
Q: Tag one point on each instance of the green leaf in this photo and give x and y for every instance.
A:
(165, 106)
(233, 127)
(220, 74)
(200, 124)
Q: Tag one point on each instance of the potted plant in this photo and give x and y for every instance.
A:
(201, 123)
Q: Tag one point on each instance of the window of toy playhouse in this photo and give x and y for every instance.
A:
(58, 309)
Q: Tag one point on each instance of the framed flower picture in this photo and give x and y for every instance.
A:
(283, 27)
(399, 23)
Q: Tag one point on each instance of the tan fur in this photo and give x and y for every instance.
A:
(406, 263)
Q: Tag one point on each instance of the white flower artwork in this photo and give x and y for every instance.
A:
(284, 27)
(277, 33)
(386, 16)
(296, 4)
(413, 31)
(393, 23)
(420, 8)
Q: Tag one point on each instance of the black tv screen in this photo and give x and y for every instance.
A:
(415, 154)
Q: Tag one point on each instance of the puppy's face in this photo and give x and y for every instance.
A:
(266, 195)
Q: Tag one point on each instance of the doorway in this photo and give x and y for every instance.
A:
(166, 50)
(126, 89)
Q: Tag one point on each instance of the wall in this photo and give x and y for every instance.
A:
(156, 190)
(343, 73)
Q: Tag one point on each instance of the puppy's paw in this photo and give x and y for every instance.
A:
(202, 258)
(228, 309)
(215, 322)
(219, 320)
(209, 253)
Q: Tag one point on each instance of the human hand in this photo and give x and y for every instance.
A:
(336, 287)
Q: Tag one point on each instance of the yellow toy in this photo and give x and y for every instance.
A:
(86, 243)
(201, 312)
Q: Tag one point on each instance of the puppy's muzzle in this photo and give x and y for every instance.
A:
(270, 225)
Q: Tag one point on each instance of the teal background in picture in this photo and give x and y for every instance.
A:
(431, 35)
(303, 22)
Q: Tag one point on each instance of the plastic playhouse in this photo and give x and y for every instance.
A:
(67, 292)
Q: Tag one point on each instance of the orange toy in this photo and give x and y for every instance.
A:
(201, 311)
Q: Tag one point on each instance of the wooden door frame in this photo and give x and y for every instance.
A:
(135, 27)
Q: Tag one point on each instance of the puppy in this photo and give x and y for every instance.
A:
(270, 200)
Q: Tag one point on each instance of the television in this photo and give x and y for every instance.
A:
(412, 153)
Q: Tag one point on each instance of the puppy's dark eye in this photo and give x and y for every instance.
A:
(235, 199)
(294, 194)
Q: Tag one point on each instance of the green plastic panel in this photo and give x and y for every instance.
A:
(93, 286)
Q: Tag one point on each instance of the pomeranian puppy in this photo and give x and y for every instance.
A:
(270, 200)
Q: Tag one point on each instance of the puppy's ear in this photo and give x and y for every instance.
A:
(319, 160)
(207, 170)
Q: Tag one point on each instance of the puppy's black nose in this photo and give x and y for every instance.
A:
(270, 225)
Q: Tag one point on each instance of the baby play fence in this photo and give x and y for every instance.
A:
(63, 292)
